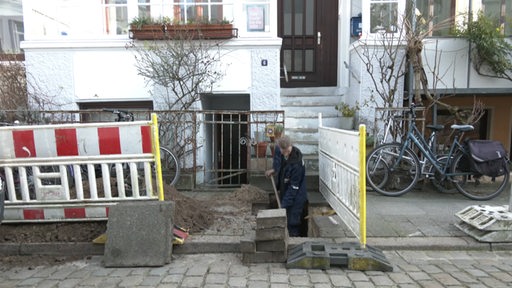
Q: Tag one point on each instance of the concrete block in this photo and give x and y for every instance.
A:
(247, 245)
(139, 234)
(272, 246)
(264, 257)
(271, 234)
(271, 218)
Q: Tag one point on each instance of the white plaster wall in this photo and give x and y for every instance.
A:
(105, 71)
(454, 70)
(107, 74)
(51, 73)
(265, 88)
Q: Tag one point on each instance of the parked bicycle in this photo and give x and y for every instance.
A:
(169, 162)
(393, 169)
(394, 131)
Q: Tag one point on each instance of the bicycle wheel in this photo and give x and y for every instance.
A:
(378, 170)
(389, 174)
(441, 183)
(170, 166)
(475, 186)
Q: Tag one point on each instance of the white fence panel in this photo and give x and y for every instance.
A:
(340, 175)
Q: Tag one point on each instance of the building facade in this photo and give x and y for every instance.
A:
(296, 55)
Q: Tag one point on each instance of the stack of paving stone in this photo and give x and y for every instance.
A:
(270, 242)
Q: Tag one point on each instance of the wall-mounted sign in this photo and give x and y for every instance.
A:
(255, 18)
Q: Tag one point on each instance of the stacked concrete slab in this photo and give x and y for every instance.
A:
(269, 243)
(139, 234)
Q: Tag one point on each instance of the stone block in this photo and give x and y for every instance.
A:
(271, 218)
(247, 244)
(277, 233)
(272, 246)
(139, 234)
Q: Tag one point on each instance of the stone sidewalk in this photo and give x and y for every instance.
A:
(422, 219)
(410, 269)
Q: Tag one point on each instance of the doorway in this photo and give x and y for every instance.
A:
(309, 29)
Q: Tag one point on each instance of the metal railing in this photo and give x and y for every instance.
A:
(217, 148)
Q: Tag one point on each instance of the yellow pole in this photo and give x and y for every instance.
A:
(362, 184)
(156, 154)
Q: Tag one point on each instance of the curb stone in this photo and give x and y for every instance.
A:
(231, 244)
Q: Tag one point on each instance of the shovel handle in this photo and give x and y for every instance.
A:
(275, 191)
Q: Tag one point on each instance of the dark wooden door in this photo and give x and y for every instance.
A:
(309, 29)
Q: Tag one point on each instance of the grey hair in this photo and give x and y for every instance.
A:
(284, 142)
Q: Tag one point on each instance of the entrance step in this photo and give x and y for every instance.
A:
(302, 106)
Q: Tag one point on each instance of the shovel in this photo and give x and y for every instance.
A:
(275, 191)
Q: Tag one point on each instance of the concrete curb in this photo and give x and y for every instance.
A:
(231, 244)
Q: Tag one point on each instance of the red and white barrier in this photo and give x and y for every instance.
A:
(73, 140)
(44, 168)
(56, 213)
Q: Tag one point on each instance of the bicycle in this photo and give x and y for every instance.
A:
(169, 162)
(393, 169)
(392, 132)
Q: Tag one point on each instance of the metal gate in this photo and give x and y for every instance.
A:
(237, 143)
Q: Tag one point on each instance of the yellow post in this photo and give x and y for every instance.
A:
(362, 184)
(156, 154)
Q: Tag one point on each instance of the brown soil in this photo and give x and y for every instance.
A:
(198, 216)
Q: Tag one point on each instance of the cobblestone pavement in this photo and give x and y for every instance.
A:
(411, 269)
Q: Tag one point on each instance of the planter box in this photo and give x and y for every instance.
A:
(147, 32)
(199, 31)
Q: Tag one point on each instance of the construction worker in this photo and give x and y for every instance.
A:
(291, 182)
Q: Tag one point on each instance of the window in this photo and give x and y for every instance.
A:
(441, 14)
(90, 19)
(116, 17)
(144, 8)
(186, 11)
(436, 15)
(383, 16)
(499, 10)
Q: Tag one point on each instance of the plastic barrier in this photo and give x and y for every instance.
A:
(75, 172)
(342, 160)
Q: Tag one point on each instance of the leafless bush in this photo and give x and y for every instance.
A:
(23, 98)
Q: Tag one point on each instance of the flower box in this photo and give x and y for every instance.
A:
(147, 32)
(192, 31)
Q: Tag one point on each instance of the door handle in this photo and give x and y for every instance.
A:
(318, 37)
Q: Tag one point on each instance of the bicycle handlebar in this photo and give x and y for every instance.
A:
(122, 115)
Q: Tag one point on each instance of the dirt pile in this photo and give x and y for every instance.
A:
(212, 215)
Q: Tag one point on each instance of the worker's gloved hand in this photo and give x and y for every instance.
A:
(269, 172)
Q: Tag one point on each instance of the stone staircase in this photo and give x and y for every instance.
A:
(302, 106)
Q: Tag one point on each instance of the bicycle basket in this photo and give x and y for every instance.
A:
(488, 157)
